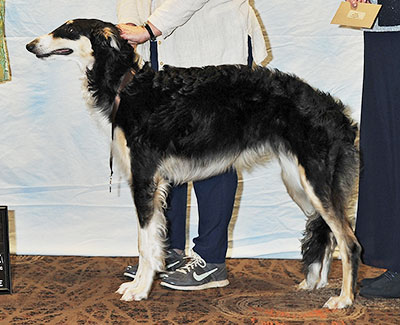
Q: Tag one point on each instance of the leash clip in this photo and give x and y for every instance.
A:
(110, 184)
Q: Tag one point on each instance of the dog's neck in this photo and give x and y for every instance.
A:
(105, 76)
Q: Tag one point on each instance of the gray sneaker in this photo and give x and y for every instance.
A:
(196, 274)
(173, 261)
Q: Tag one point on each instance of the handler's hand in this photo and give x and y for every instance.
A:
(355, 2)
(133, 34)
(137, 34)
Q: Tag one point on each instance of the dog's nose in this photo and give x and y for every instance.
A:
(31, 46)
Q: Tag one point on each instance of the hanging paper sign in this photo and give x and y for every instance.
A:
(361, 17)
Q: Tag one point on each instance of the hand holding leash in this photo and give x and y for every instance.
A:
(138, 34)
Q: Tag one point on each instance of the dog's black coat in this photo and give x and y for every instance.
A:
(204, 114)
(200, 112)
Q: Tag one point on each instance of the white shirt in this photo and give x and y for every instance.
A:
(197, 32)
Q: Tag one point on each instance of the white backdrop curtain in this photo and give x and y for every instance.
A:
(54, 161)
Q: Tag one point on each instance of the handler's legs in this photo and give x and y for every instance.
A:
(215, 197)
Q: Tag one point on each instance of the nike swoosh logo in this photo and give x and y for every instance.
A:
(202, 276)
(171, 265)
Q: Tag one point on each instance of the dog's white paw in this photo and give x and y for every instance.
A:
(304, 285)
(322, 284)
(130, 291)
(338, 302)
(125, 287)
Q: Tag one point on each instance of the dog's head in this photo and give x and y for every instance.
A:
(81, 40)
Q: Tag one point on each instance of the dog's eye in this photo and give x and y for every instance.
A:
(71, 30)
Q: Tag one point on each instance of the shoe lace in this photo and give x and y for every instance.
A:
(168, 253)
(195, 260)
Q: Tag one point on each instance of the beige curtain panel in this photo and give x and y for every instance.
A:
(4, 63)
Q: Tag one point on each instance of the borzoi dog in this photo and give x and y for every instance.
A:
(180, 125)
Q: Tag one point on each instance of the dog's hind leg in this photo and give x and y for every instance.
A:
(334, 216)
(150, 197)
(318, 242)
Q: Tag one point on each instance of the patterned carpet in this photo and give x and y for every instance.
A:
(80, 290)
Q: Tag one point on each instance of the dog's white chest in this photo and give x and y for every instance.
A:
(121, 153)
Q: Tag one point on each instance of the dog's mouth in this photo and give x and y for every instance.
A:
(63, 51)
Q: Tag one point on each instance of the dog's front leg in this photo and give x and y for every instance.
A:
(149, 197)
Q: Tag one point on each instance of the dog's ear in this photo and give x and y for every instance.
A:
(106, 37)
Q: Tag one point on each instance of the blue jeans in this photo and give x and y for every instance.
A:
(215, 199)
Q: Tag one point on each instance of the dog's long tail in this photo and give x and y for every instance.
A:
(317, 238)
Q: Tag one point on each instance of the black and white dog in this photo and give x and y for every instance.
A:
(181, 125)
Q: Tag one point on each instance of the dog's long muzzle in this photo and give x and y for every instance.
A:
(45, 51)
(31, 46)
